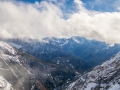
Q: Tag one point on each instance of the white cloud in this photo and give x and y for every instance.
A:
(26, 19)
(46, 19)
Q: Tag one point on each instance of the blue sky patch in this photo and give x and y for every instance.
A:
(96, 5)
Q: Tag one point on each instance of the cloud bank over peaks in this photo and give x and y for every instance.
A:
(41, 19)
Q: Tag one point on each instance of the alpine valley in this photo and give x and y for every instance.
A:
(59, 64)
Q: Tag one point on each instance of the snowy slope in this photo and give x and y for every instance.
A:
(25, 72)
(4, 47)
(102, 77)
(4, 85)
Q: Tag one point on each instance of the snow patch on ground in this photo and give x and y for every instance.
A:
(115, 87)
(70, 86)
(90, 85)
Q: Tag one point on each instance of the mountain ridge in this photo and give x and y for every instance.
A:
(91, 51)
(25, 72)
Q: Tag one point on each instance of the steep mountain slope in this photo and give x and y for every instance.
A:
(102, 77)
(25, 72)
(49, 52)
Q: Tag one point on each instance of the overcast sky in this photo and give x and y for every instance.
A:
(93, 19)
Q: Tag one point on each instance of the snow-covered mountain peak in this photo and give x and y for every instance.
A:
(6, 47)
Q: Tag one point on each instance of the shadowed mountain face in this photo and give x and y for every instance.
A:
(56, 49)
(102, 77)
(46, 51)
(25, 72)
(92, 51)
